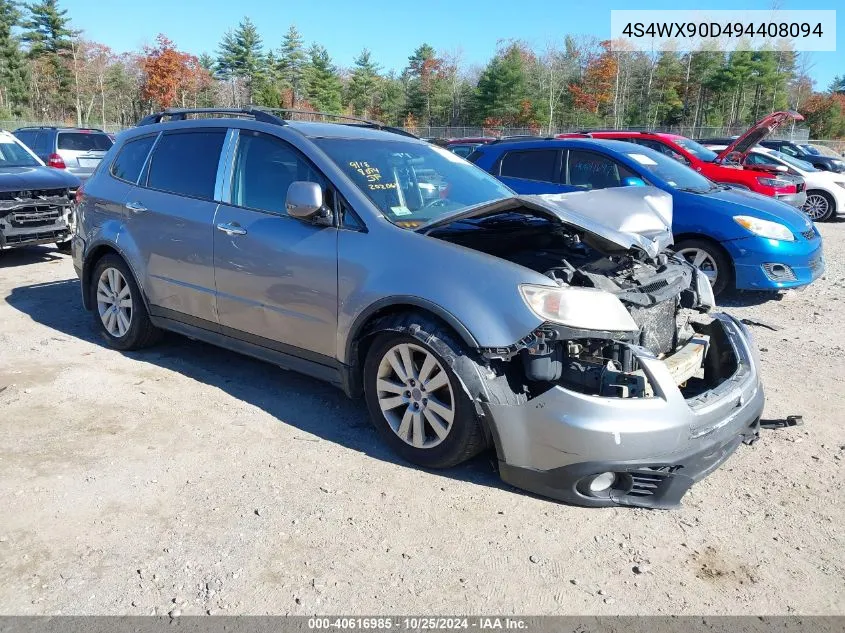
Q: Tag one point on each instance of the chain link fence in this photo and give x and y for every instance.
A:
(13, 125)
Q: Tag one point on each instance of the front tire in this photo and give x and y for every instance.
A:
(820, 205)
(710, 259)
(119, 310)
(414, 396)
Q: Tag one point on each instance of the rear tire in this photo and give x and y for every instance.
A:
(713, 262)
(119, 310)
(416, 361)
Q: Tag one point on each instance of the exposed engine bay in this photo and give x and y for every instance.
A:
(660, 292)
(35, 216)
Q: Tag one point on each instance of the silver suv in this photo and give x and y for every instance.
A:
(78, 150)
(556, 329)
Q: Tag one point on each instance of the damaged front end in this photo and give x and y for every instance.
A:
(632, 390)
(35, 216)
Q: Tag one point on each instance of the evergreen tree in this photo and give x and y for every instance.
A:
(241, 56)
(363, 84)
(12, 65)
(323, 87)
(48, 33)
(422, 86)
(503, 87)
(291, 64)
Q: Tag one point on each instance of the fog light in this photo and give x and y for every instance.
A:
(779, 272)
(602, 482)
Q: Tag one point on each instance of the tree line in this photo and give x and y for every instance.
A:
(49, 71)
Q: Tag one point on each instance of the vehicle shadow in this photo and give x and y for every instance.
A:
(285, 395)
(26, 255)
(747, 298)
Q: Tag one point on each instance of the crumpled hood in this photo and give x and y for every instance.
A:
(629, 217)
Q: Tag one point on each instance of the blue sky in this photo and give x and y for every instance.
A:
(392, 29)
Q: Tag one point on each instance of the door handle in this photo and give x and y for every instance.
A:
(231, 229)
(135, 207)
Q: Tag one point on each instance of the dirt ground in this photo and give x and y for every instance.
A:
(190, 479)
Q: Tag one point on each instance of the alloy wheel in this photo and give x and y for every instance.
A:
(114, 302)
(415, 395)
(702, 260)
(816, 206)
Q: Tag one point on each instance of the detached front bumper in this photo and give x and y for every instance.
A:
(654, 447)
(31, 226)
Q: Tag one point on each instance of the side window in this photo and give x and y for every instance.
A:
(42, 143)
(663, 149)
(532, 164)
(595, 171)
(786, 149)
(185, 162)
(130, 161)
(264, 168)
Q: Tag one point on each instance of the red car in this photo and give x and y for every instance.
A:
(724, 167)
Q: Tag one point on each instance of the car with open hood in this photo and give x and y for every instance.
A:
(36, 202)
(740, 239)
(559, 331)
(825, 189)
(725, 166)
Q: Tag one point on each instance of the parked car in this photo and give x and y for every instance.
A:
(557, 330)
(36, 202)
(464, 146)
(77, 150)
(739, 239)
(825, 189)
(715, 166)
(821, 150)
(796, 150)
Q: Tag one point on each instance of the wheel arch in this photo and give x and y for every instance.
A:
(94, 255)
(713, 242)
(363, 327)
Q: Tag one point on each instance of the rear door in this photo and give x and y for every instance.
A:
(276, 276)
(170, 219)
(82, 150)
(531, 170)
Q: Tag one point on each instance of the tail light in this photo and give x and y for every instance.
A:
(78, 197)
(56, 161)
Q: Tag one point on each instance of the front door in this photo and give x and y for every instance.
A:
(170, 215)
(276, 276)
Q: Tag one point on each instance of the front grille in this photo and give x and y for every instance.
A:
(654, 286)
(47, 236)
(32, 218)
(809, 235)
(658, 330)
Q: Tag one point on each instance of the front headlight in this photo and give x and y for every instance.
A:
(765, 228)
(581, 308)
(773, 182)
(838, 163)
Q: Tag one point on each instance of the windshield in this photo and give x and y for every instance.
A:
(670, 171)
(803, 165)
(696, 149)
(811, 150)
(412, 183)
(13, 155)
(822, 150)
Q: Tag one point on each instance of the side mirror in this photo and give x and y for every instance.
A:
(632, 181)
(304, 201)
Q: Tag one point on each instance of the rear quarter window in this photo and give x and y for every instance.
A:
(84, 141)
(185, 162)
(131, 158)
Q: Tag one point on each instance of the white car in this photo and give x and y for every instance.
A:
(825, 189)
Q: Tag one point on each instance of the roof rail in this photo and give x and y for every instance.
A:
(522, 139)
(615, 130)
(353, 120)
(179, 114)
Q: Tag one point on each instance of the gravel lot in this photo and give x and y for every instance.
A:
(189, 478)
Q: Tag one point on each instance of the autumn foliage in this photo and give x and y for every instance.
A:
(597, 88)
(170, 76)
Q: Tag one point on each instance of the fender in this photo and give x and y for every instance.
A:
(113, 235)
(405, 300)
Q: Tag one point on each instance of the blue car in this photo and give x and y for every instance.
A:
(738, 238)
